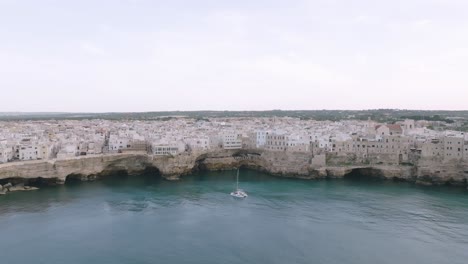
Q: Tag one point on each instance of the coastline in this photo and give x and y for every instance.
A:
(282, 164)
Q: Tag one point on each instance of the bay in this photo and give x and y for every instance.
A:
(195, 220)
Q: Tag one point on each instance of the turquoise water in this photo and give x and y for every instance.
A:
(148, 220)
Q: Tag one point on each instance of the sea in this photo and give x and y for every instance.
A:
(146, 219)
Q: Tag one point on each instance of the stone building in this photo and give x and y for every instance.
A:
(433, 148)
(465, 151)
(453, 147)
(447, 148)
(408, 125)
(167, 148)
(389, 130)
(276, 141)
(385, 149)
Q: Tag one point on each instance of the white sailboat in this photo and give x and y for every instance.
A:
(239, 193)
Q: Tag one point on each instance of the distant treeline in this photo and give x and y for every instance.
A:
(381, 115)
(429, 118)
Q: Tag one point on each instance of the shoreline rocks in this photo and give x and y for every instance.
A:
(7, 188)
(277, 163)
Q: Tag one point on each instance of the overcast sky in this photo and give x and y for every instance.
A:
(149, 55)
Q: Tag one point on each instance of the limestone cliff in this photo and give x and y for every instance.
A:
(91, 167)
(285, 164)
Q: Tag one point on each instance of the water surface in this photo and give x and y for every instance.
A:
(149, 220)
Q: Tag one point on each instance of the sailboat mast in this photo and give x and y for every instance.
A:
(237, 179)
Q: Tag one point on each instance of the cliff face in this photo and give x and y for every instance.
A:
(298, 165)
(433, 172)
(83, 168)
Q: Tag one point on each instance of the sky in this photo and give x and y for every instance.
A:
(151, 55)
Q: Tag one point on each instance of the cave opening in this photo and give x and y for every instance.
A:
(114, 174)
(199, 164)
(41, 182)
(35, 182)
(12, 180)
(364, 174)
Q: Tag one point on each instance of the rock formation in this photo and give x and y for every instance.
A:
(14, 188)
(285, 164)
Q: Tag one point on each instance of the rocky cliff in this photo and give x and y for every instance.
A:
(285, 164)
(92, 167)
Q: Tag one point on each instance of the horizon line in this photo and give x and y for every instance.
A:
(208, 110)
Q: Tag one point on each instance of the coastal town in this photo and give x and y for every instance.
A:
(366, 141)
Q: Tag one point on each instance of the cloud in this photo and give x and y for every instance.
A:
(421, 24)
(92, 49)
(104, 27)
(363, 19)
(230, 21)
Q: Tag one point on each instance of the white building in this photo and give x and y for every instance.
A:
(298, 143)
(94, 147)
(199, 143)
(260, 137)
(28, 152)
(6, 153)
(117, 143)
(232, 140)
(45, 151)
(68, 151)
